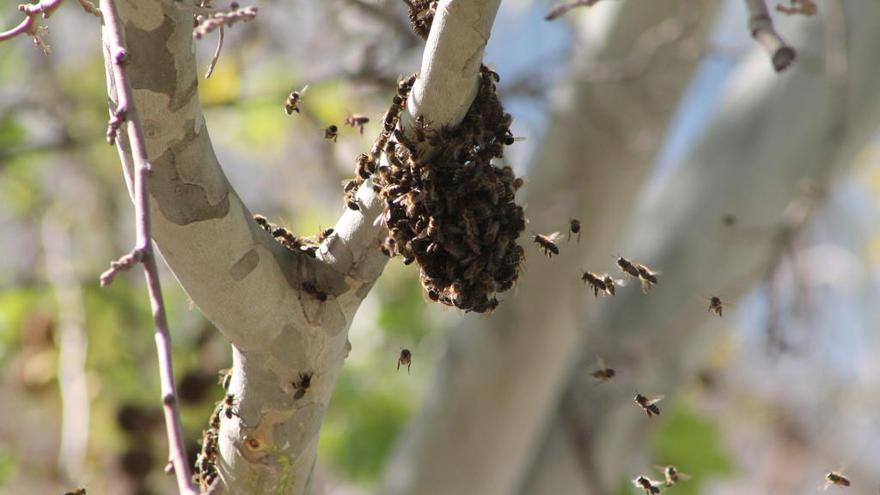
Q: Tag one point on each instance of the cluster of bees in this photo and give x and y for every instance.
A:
(421, 16)
(205, 471)
(331, 132)
(306, 245)
(453, 211)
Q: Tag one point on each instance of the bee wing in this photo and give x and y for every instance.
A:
(655, 399)
(303, 91)
(684, 476)
(660, 468)
(553, 237)
(519, 138)
(600, 362)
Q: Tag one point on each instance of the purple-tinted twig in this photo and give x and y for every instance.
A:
(31, 26)
(761, 27)
(216, 55)
(143, 250)
(562, 9)
(223, 18)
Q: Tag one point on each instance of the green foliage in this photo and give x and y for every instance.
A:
(8, 465)
(693, 444)
(361, 425)
(402, 316)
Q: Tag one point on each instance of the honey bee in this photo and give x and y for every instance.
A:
(716, 305)
(357, 121)
(627, 267)
(324, 234)
(672, 474)
(302, 385)
(76, 491)
(648, 404)
(547, 243)
(405, 359)
(331, 133)
(610, 284)
(365, 166)
(294, 99)
(604, 373)
(597, 283)
(574, 227)
(263, 222)
(835, 478)
(647, 274)
(225, 376)
(229, 406)
(650, 486)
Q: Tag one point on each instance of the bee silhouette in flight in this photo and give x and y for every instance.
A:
(603, 373)
(836, 478)
(404, 359)
(548, 243)
(648, 404)
(672, 474)
(574, 227)
(651, 487)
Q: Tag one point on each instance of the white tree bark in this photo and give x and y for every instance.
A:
(772, 133)
(244, 281)
(497, 386)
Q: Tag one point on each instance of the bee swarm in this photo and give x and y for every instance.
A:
(448, 208)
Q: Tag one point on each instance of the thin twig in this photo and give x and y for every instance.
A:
(761, 27)
(31, 26)
(216, 56)
(562, 9)
(143, 250)
(222, 18)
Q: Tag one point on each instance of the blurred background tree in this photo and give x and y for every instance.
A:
(661, 125)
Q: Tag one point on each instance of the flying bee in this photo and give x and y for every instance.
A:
(357, 121)
(331, 133)
(604, 373)
(611, 284)
(650, 486)
(294, 99)
(716, 305)
(627, 267)
(648, 404)
(597, 282)
(229, 406)
(404, 359)
(835, 478)
(672, 474)
(647, 274)
(302, 385)
(224, 377)
(574, 227)
(547, 243)
(76, 491)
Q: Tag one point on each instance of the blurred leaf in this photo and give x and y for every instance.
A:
(8, 463)
(11, 132)
(223, 85)
(361, 426)
(693, 444)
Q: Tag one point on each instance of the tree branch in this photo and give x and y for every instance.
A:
(286, 313)
(143, 251)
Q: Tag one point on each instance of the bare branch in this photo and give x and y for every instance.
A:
(30, 25)
(222, 18)
(562, 9)
(761, 27)
(143, 251)
(216, 54)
